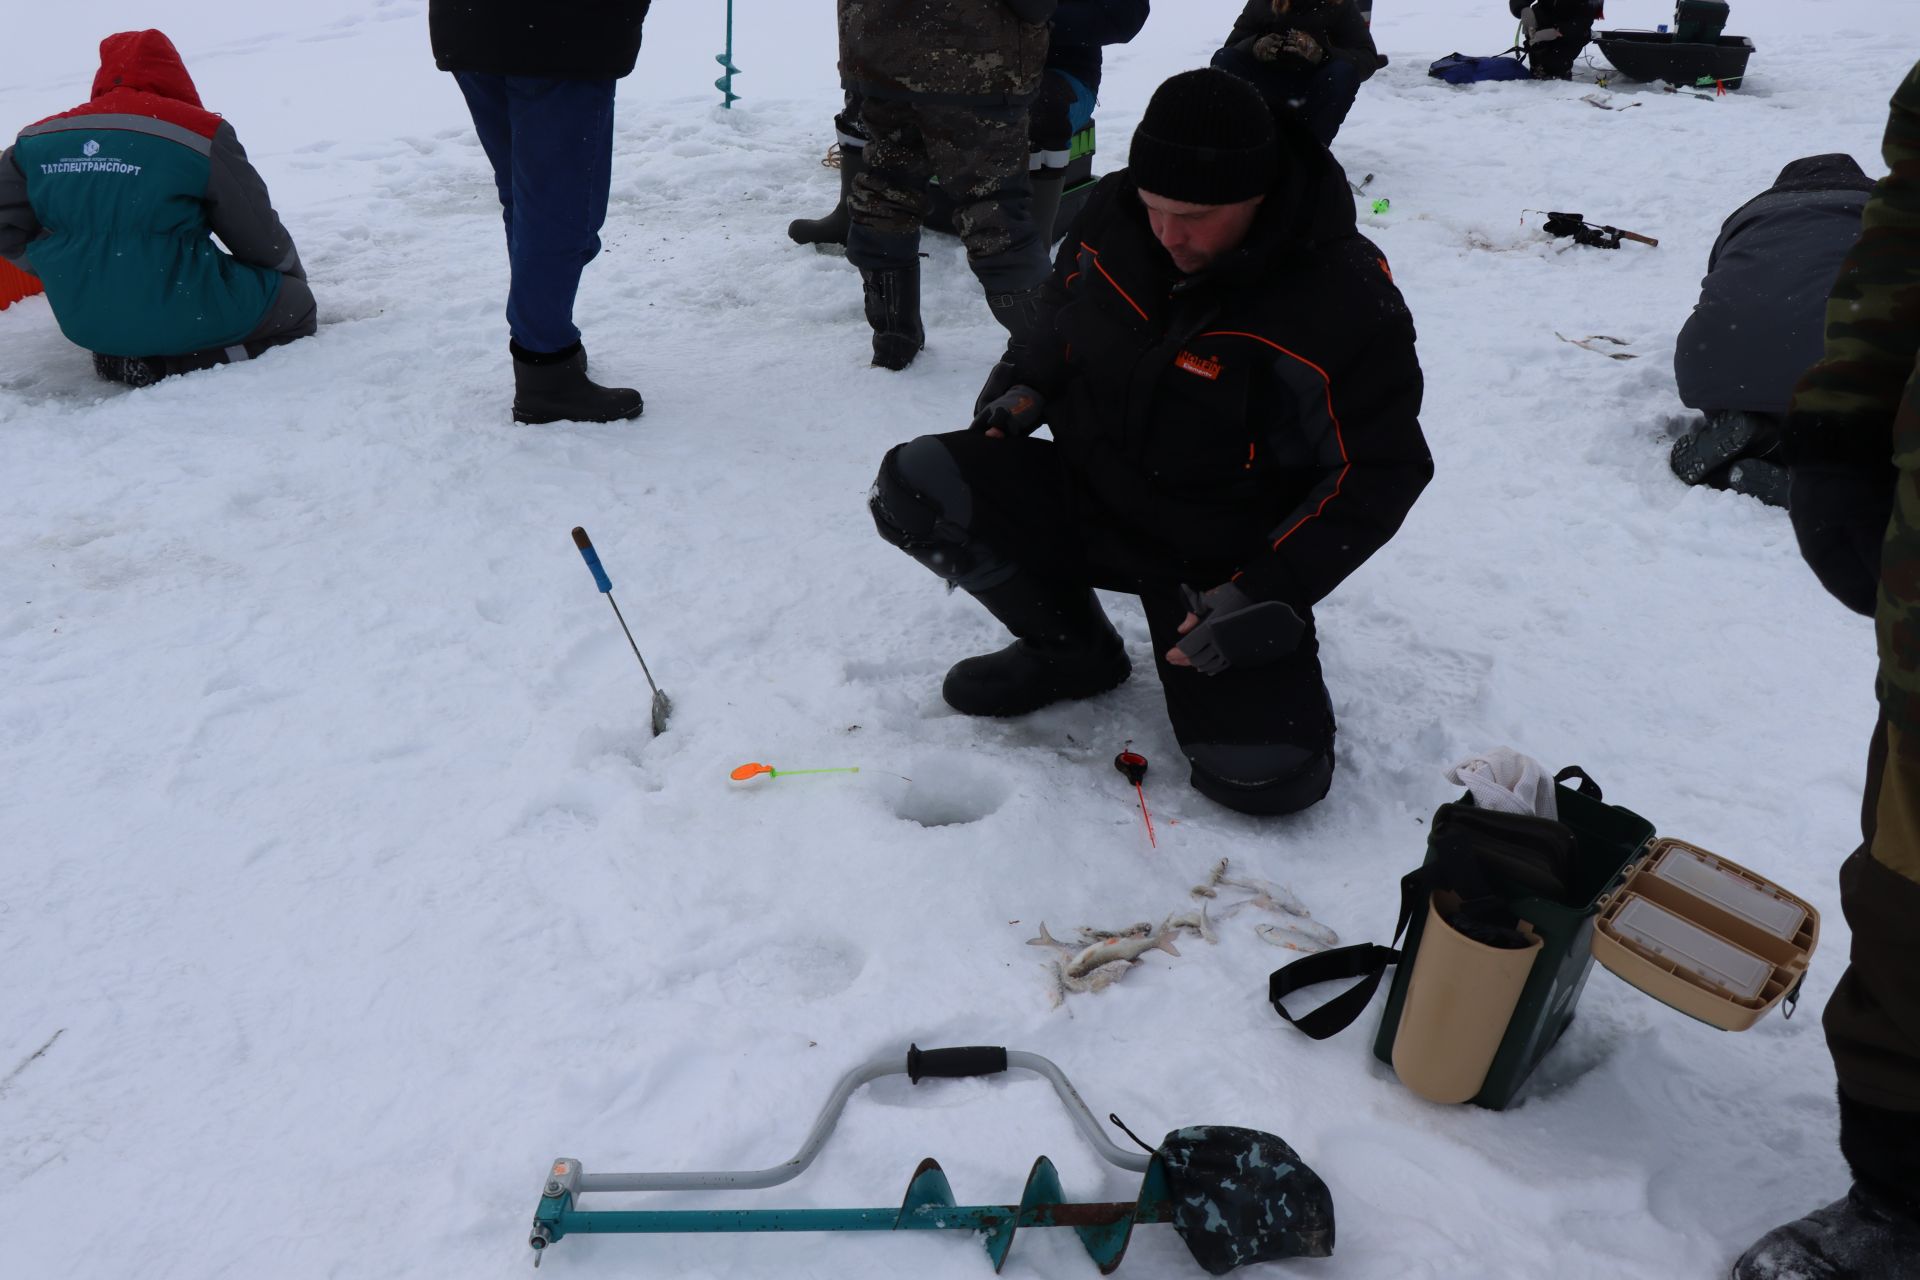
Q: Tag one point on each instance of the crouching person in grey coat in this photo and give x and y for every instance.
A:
(1759, 321)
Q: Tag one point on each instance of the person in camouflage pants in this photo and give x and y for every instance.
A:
(946, 85)
(1853, 440)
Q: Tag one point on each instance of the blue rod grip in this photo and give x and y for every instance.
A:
(592, 557)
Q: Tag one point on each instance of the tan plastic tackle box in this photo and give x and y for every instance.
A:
(1706, 936)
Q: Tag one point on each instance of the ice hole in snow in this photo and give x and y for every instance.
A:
(947, 792)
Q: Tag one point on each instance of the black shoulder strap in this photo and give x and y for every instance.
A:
(1367, 961)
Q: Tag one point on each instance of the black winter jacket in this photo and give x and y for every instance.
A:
(965, 52)
(1337, 26)
(576, 40)
(1082, 27)
(1259, 420)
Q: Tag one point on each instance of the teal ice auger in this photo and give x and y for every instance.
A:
(929, 1204)
(728, 71)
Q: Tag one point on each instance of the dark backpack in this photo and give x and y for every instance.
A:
(1460, 68)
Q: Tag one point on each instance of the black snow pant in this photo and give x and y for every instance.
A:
(1259, 740)
(1872, 1019)
(979, 156)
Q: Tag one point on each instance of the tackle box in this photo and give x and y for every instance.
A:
(1705, 935)
(1691, 929)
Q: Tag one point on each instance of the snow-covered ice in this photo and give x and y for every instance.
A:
(346, 881)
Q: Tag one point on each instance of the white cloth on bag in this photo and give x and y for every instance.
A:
(1507, 782)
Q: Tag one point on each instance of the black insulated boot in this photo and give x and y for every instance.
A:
(554, 387)
(134, 371)
(1066, 649)
(893, 311)
(832, 229)
(1862, 1237)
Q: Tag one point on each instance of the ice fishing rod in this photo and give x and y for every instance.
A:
(662, 705)
(1133, 766)
(1590, 234)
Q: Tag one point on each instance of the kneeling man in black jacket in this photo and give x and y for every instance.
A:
(1229, 375)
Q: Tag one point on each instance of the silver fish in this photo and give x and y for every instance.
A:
(1300, 935)
(1127, 947)
(1267, 895)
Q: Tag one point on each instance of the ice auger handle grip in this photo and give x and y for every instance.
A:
(954, 1064)
(592, 557)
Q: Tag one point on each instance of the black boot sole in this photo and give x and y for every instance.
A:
(541, 418)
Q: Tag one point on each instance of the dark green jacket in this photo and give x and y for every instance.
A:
(114, 205)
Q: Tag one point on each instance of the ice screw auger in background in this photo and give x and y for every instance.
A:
(662, 705)
(725, 83)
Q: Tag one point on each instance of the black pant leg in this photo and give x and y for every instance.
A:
(1259, 740)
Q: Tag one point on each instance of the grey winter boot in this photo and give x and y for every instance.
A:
(554, 387)
(1861, 1237)
(893, 311)
(1065, 649)
(832, 229)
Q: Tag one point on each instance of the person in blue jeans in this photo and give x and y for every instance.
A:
(1308, 57)
(539, 82)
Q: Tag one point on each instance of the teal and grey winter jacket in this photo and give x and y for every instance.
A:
(114, 206)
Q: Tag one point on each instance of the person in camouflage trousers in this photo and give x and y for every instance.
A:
(945, 88)
(1853, 440)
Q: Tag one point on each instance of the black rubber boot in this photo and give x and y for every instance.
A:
(134, 371)
(893, 310)
(554, 387)
(832, 229)
(1019, 314)
(1758, 478)
(1861, 1237)
(1047, 186)
(1065, 649)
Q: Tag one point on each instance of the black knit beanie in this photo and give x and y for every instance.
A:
(1207, 138)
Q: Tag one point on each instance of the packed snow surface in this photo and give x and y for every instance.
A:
(346, 887)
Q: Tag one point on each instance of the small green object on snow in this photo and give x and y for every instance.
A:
(1382, 205)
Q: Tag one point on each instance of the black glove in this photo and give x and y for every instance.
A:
(1016, 411)
(1840, 516)
(1236, 632)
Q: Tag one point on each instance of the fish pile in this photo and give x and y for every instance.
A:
(1097, 958)
(1094, 959)
(1297, 931)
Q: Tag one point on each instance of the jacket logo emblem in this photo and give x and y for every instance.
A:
(1199, 365)
(91, 149)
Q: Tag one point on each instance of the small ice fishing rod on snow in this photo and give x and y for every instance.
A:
(662, 705)
(1133, 767)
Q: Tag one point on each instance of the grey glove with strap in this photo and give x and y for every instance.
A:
(1235, 631)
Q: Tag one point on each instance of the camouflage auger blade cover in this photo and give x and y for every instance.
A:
(1240, 1196)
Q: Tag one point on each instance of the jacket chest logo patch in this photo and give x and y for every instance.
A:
(1198, 365)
